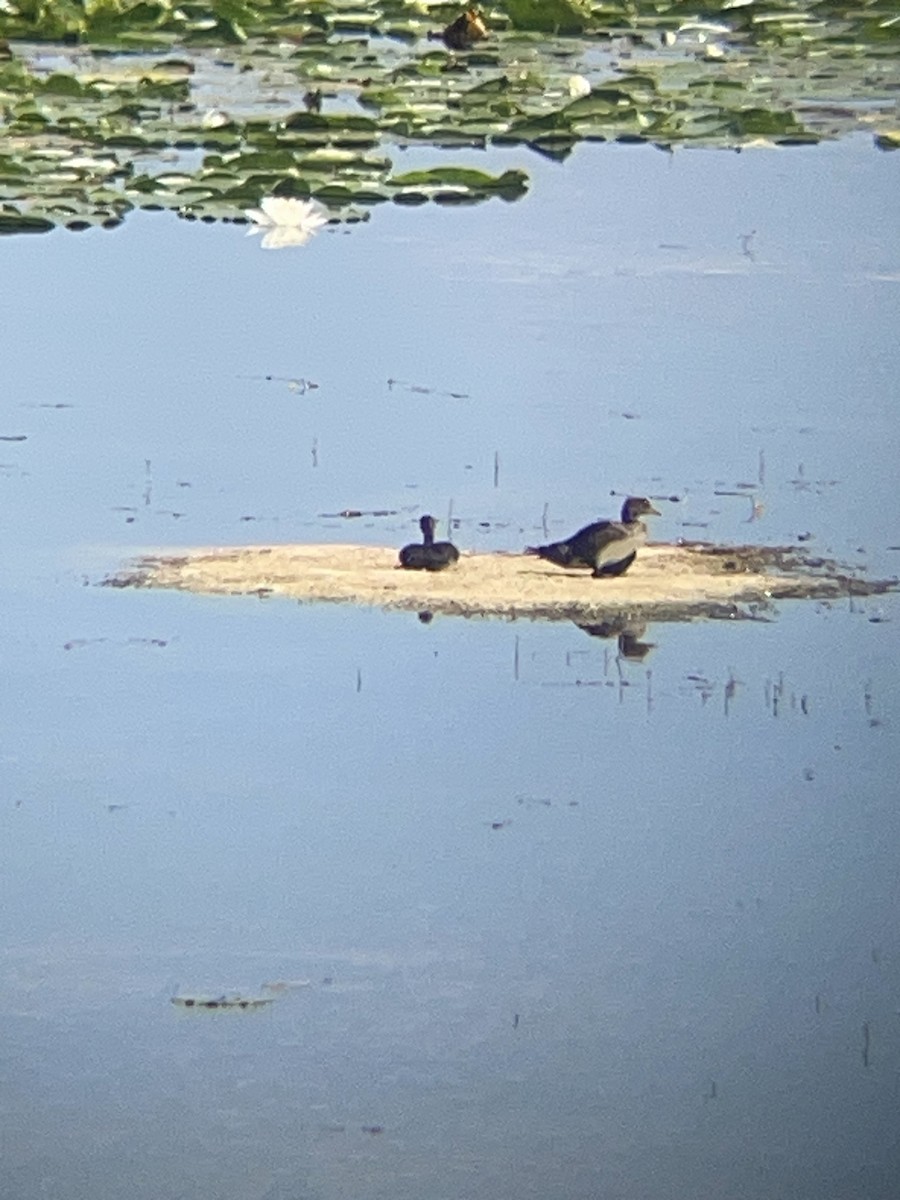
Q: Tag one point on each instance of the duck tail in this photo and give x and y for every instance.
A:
(535, 550)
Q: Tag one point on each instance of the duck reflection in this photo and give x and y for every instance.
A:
(628, 634)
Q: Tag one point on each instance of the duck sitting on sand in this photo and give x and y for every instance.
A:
(609, 547)
(428, 555)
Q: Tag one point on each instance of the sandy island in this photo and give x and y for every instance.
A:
(666, 583)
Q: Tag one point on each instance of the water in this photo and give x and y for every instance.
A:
(573, 924)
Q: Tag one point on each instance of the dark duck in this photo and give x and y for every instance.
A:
(608, 547)
(428, 555)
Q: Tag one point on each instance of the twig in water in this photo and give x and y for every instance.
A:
(293, 384)
(496, 468)
(730, 690)
(421, 390)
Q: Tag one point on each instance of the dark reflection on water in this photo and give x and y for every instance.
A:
(628, 635)
(559, 916)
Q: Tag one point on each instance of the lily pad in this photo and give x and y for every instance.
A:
(509, 184)
(16, 222)
(549, 16)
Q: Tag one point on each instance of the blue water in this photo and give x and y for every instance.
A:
(573, 924)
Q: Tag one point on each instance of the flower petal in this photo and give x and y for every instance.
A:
(281, 236)
(258, 218)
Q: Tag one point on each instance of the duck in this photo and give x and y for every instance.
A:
(428, 555)
(465, 31)
(609, 547)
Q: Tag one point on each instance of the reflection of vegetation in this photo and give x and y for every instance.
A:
(313, 99)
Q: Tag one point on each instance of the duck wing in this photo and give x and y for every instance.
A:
(579, 550)
(599, 539)
(558, 553)
(445, 554)
(414, 557)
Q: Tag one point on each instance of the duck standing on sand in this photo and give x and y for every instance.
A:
(428, 555)
(609, 547)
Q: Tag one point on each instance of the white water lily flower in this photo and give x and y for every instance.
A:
(286, 221)
(578, 87)
(214, 118)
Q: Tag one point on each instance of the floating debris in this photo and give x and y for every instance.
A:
(227, 1000)
(421, 390)
(286, 985)
(348, 514)
(79, 643)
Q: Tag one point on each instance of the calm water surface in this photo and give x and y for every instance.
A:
(574, 924)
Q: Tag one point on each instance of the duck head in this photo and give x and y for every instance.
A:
(426, 524)
(638, 506)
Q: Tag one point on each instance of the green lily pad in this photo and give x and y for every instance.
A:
(16, 222)
(549, 16)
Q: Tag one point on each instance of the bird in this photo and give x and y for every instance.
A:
(428, 555)
(609, 547)
(465, 31)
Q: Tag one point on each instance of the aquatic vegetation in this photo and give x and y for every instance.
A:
(232, 1000)
(202, 108)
